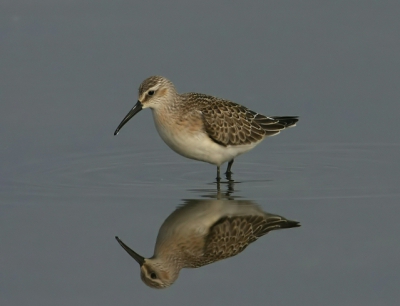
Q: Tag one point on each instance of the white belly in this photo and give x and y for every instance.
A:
(195, 144)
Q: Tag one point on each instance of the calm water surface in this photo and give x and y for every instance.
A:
(61, 217)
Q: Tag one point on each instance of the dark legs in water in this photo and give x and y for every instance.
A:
(228, 172)
(230, 183)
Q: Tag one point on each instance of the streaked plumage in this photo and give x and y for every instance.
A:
(202, 232)
(204, 127)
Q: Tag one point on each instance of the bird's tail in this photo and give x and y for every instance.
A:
(286, 121)
(275, 222)
(273, 125)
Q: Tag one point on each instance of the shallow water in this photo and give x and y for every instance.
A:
(60, 218)
(308, 171)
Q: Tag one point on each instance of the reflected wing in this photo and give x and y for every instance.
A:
(231, 235)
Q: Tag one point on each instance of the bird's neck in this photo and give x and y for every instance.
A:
(168, 107)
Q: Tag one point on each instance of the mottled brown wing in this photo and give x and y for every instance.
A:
(231, 235)
(228, 123)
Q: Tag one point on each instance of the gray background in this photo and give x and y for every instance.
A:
(69, 73)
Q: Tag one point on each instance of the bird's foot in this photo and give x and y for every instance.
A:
(228, 175)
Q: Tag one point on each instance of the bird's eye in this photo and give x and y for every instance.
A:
(153, 275)
(151, 92)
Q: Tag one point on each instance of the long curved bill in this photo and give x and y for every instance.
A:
(137, 108)
(136, 256)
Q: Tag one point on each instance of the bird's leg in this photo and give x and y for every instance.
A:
(228, 169)
(218, 174)
(218, 190)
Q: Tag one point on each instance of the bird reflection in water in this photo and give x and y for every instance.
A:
(201, 232)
